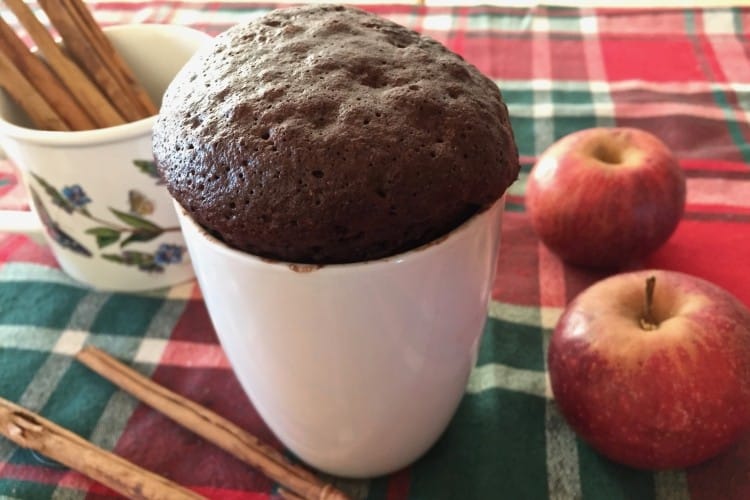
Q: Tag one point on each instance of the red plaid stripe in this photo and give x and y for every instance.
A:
(682, 74)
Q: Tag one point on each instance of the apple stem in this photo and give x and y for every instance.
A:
(647, 319)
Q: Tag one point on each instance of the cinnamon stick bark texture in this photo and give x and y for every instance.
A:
(288, 495)
(92, 50)
(43, 80)
(83, 90)
(211, 427)
(21, 90)
(111, 58)
(80, 48)
(29, 430)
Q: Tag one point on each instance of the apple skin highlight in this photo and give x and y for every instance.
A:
(665, 398)
(603, 198)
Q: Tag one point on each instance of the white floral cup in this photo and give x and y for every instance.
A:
(357, 368)
(107, 218)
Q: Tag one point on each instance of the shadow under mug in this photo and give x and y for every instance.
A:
(95, 194)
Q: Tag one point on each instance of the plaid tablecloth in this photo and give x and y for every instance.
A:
(682, 74)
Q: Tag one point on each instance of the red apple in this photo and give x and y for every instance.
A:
(658, 386)
(603, 197)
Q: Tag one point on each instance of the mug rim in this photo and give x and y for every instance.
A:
(77, 138)
(305, 268)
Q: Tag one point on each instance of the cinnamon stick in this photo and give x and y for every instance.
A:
(82, 89)
(81, 49)
(210, 426)
(288, 495)
(21, 90)
(111, 58)
(43, 80)
(30, 430)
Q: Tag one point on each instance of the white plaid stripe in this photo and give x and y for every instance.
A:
(603, 107)
(720, 192)
(671, 485)
(150, 351)
(589, 24)
(718, 22)
(184, 291)
(120, 407)
(563, 477)
(550, 316)
(165, 319)
(147, 351)
(518, 188)
(221, 18)
(734, 63)
(435, 22)
(28, 337)
(606, 113)
(563, 481)
(599, 86)
(34, 338)
(70, 342)
(113, 420)
(497, 375)
(544, 132)
(22, 271)
(546, 317)
(45, 380)
(71, 490)
(86, 311)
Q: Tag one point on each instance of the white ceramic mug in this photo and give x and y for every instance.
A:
(357, 368)
(109, 221)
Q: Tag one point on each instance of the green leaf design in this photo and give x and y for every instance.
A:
(137, 258)
(136, 222)
(148, 167)
(104, 235)
(57, 198)
(152, 267)
(54, 230)
(143, 261)
(131, 258)
(113, 257)
(137, 236)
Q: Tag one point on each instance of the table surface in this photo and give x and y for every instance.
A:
(682, 74)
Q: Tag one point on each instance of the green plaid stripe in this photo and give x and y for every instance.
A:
(566, 106)
(507, 439)
(719, 96)
(37, 350)
(525, 435)
(510, 374)
(542, 115)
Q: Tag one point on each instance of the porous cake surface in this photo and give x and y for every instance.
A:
(325, 134)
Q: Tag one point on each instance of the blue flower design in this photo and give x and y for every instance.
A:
(168, 254)
(76, 195)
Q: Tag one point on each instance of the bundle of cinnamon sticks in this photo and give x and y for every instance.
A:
(83, 85)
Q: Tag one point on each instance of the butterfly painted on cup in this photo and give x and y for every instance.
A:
(132, 227)
(139, 203)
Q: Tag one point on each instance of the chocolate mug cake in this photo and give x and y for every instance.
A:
(325, 134)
